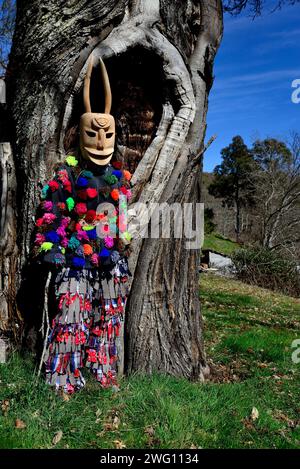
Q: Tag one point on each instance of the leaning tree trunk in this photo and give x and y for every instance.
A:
(159, 56)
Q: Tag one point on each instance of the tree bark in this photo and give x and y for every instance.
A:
(161, 121)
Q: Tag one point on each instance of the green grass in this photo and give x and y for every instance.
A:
(217, 243)
(248, 336)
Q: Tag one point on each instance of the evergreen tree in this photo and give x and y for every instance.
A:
(233, 181)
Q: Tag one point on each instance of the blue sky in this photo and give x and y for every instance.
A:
(254, 69)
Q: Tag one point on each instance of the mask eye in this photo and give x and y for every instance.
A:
(90, 133)
(109, 135)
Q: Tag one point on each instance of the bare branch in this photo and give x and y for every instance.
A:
(254, 7)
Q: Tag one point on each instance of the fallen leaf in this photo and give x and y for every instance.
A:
(262, 365)
(66, 397)
(108, 426)
(5, 407)
(20, 424)
(57, 437)
(149, 431)
(284, 418)
(116, 422)
(119, 444)
(254, 414)
(248, 424)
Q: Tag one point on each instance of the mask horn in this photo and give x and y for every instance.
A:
(106, 85)
(86, 86)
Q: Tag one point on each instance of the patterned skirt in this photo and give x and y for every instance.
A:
(86, 329)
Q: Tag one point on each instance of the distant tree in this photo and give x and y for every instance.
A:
(232, 179)
(209, 225)
(277, 192)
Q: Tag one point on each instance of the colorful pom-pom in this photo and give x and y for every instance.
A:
(73, 243)
(59, 259)
(82, 235)
(87, 249)
(117, 164)
(94, 259)
(92, 234)
(52, 236)
(90, 216)
(115, 194)
(65, 221)
(44, 191)
(110, 179)
(47, 205)
(91, 192)
(64, 178)
(109, 242)
(104, 253)
(46, 246)
(127, 175)
(39, 239)
(62, 175)
(71, 160)
(70, 203)
(78, 262)
(79, 251)
(67, 186)
(39, 222)
(80, 208)
(53, 185)
(64, 242)
(61, 231)
(48, 218)
(82, 182)
(117, 173)
(87, 174)
(61, 206)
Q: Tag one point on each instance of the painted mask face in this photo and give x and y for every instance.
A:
(97, 137)
(97, 131)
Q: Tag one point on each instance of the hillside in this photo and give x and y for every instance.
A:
(218, 243)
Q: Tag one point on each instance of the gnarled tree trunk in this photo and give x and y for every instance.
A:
(159, 56)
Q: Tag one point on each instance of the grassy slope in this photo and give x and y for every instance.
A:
(248, 333)
(219, 244)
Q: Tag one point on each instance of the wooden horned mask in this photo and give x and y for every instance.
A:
(97, 130)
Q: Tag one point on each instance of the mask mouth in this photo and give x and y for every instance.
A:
(99, 153)
(104, 160)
